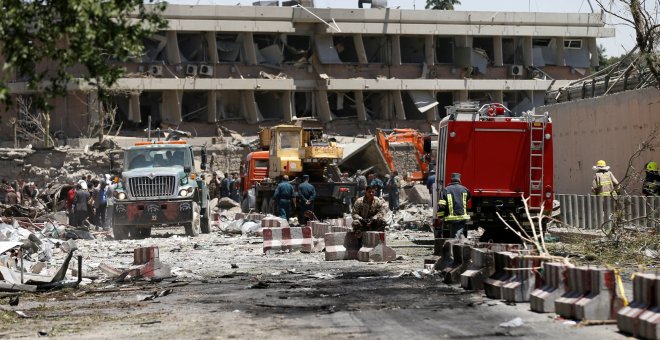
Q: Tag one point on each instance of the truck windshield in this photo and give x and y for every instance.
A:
(154, 158)
(289, 140)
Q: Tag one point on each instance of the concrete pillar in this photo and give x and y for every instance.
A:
(212, 47)
(463, 41)
(359, 49)
(395, 51)
(593, 49)
(323, 106)
(429, 49)
(173, 55)
(249, 52)
(287, 106)
(398, 105)
(250, 110)
(134, 108)
(559, 51)
(212, 103)
(171, 107)
(528, 53)
(461, 95)
(359, 105)
(498, 96)
(498, 56)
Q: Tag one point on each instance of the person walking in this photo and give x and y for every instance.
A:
(214, 186)
(604, 183)
(80, 205)
(283, 196)
(101, 204)
(455, 196)
(651, 186)
(306, 195)
(392, 185)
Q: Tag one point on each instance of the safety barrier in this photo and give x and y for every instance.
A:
(341, 246)
(591, 295)
(273, 222)
(641, 317)
(444, 249)
(525, 278)
(461, 262)
(147, 262)
(374, 248)
(493, 284)
(299, 238)
(482, 267)
(591, 212)
(555, 278)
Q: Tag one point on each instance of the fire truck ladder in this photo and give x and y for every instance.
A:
(537, 124)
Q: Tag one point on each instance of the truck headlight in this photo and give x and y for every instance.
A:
(185, 192)
(120, 195)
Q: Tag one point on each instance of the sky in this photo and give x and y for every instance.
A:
(620, 44)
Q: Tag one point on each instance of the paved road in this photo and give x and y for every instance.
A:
(278, 296)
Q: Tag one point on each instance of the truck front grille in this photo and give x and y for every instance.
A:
(152, 187)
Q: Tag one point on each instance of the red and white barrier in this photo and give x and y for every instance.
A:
(273, 222)
(555, 279)
(288, 239)
(641, 317)
(341, 246)
(374, 248)
(147, 264)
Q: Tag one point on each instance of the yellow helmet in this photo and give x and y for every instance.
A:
(652, 166)
(601, 163)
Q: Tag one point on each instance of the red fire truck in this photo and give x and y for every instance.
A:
(500, 158)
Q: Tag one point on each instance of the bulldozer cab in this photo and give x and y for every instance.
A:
(285, 145)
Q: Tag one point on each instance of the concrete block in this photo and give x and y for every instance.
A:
(382, 253)
(452, 273)
(555, 278)
(290, 239)
(319, 229)
(579, 280)
(493, 284)
(600, 302)
(482, 267)
(341, 246)
(649, 321)
(627, 319)
(145, 254)
(368, 252)
(524, 280)
(419, 194)
(274, 222)
(254, 217)
(446, 254)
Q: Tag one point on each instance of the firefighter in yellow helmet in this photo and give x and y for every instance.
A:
(604, 183)
(651, 186)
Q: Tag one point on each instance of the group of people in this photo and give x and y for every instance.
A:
(19, 192)
(389, 188)
(605, 184)
(87, 200)
(229, 186)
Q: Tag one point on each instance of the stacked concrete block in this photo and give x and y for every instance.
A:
(273, 222)
(482, 267)
(646, 302)
(254, 216)
(146, 261)
(555, 279)
(524, 280)
(341, 246)
(319, 229)
(591, 295)
(374, 248)
(288, 239)
(493, 284)
(461, 253)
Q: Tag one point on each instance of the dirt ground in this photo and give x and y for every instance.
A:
(225, 287)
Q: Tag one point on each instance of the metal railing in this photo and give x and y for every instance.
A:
(591, 212)
(157, 186)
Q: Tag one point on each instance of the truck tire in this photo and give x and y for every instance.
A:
(120, 232)
(205, 225)
(193, 228)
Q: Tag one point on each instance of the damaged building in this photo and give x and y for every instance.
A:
(269, 64)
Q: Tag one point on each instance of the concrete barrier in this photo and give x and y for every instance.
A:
(341, 246)
(646, 292)
(555, 278)
(482, 267)
(649, 321)
(147, 262)
(374, 248)
(445, 253)
(273, 222)
(591, 295)
(299, 238)
(493, 284)
(461, 255)
(319, 229)
(525, 278)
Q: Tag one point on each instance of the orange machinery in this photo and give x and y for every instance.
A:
(413, 143)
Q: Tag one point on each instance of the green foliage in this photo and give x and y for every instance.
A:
(442, 4)
(41, 40)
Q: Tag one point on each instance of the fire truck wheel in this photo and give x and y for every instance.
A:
(120, 232)
(193, 228)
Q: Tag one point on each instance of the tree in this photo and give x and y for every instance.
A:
(63, 34)
(442, 4)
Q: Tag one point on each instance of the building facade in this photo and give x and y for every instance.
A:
(262, 65)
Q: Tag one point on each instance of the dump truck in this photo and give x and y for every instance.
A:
(502, 159)
(158, 185)
(293, 150)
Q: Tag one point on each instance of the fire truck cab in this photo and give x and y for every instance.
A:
(501, 158)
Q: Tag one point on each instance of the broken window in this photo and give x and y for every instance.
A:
(193, 47)
(444, 50)
(154, 48)
(229, 47)
(325, 48)
(342, 104)
(269, 104)
(575, 44)
(228, 105)
(150, 105)
(422, 101)
(486, 45)
(121, 103)
(576, 54)
(444, 99)
(345, 47)
(375, 47)
(412, 49)
(194, 106)
(544, 51)
(269, 49)
(511, 54)
(303, 104)
(297, 48)
(377, 104)
(411, 110)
